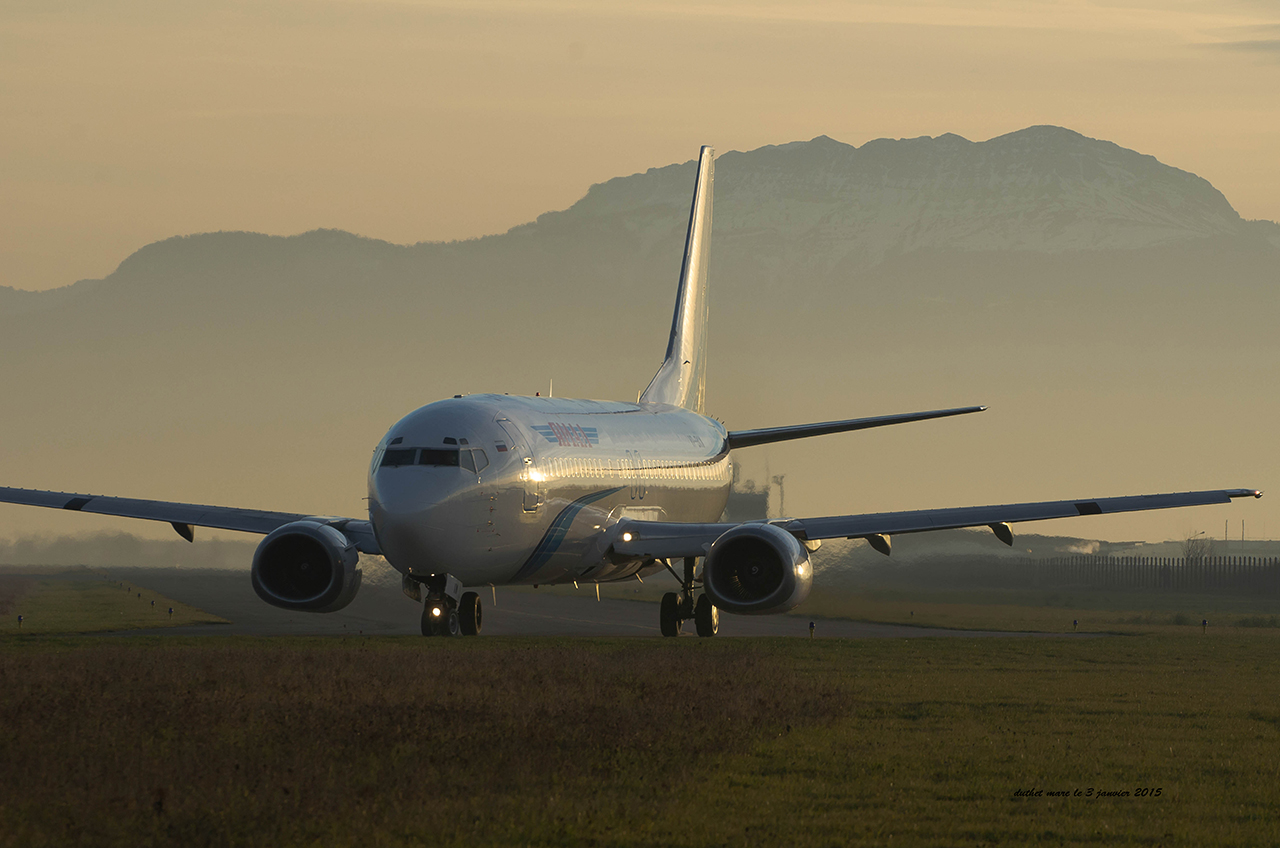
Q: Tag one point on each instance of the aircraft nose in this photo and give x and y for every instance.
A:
(411, 517)
(404, 530)
(402, 498)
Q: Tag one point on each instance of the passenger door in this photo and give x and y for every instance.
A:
(533, 482)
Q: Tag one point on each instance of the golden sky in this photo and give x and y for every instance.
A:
(128, 122)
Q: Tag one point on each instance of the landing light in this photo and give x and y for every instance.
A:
(435, 611)
(626, 537)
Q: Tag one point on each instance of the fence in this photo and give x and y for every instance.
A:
(1231, 574)
(1259, 576)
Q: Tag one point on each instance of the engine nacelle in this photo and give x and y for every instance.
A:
(306, 566)
(757, 569)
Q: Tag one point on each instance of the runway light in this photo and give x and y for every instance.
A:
(435, 611)
(626, 537)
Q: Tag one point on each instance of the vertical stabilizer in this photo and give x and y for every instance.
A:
(682, 379)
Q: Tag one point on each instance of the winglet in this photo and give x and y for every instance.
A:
(682, 379)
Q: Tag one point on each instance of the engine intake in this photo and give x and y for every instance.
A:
(757, 569)
(307, 566)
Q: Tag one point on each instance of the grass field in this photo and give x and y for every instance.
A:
(1045, 611)
(236, 741)
(80, 600)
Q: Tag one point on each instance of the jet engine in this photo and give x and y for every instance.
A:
(757, 569)
(306, 566)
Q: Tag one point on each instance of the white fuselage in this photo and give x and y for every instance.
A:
(496, 489)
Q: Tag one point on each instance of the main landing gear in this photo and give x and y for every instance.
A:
(679, 607)
(446, 609)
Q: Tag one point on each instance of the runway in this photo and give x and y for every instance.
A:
(384, 610)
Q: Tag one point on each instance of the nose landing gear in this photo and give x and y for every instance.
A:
(677, 608)
(440, 618)
(446, 609)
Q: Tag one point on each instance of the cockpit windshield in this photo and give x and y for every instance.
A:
(439, 456)
(472, 459)
(394, 457)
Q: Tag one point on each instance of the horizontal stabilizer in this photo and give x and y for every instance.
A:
(748, 438)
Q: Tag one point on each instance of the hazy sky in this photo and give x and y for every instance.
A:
(128, 122)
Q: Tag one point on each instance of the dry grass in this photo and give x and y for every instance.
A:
(389, 742)
(943, 733)
(256, 742)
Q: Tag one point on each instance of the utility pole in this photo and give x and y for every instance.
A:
(782, 511)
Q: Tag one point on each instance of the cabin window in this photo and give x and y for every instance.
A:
(438, 456)
(393, 458)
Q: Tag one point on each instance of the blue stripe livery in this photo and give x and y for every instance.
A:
(569, 435)
(556, 532)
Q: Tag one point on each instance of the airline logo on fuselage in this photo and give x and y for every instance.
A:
(568, 435)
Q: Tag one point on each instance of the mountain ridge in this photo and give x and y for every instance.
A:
(1044, 189)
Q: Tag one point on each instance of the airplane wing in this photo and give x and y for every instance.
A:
(184, 517)
(661, 539)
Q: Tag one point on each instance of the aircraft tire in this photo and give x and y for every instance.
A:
(428, 625)
(452, 624)
(669, 615)
(470, 614)
(706, 617)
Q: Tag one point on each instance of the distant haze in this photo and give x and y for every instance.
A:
(1115, 312)
(428, 120)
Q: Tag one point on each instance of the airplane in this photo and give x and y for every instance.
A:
(494, 490)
